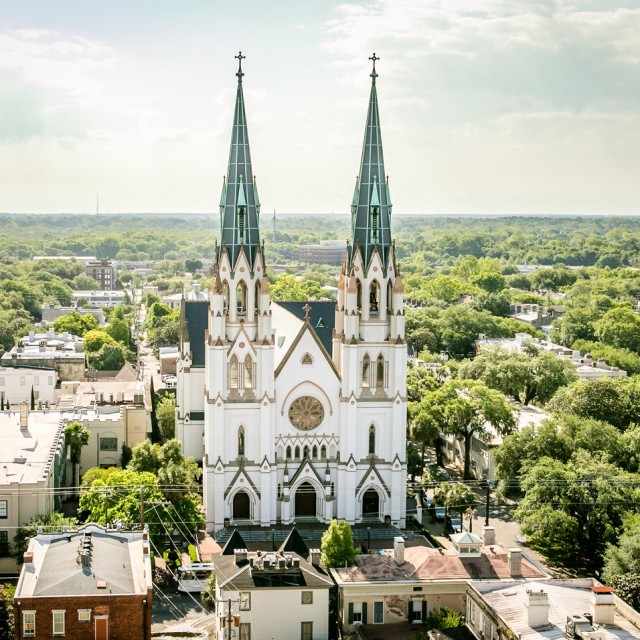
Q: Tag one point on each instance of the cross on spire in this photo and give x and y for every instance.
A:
(306, 310)
(240, 58)
(373, 59)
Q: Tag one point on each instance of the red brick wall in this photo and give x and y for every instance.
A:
(129, 615)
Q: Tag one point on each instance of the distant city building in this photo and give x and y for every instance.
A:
(89, 584)
(326, 252)
(97, 299)
(586, 367)
(17, 383)
(32, 467)
(192, 292)
(51, 312)
(103, 272)
(60, 351)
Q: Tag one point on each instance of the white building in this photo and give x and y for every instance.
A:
(272, 594)
(32, 465)
(97, 299)
(304, 407)
(16, 384)
(51, 312)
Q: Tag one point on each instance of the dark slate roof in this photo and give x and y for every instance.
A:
(371, 190)
(234, 542)
(239, 190)
(322, 317)
(294, 543)
(197, 316)
(61, 575)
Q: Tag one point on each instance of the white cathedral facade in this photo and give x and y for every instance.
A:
(297, 411)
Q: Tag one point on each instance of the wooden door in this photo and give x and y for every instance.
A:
(102, 628)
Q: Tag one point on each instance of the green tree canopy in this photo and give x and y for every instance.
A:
(110, 357)
(75, 323)
(337, 545)
(50, 522)
(455, 496)
(95, 339)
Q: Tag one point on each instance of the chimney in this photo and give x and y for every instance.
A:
(24, 416)
(28, 557)
(314, 557)
(602, 606)
(398, 550)
(536, 606)
(515, 562)
(488, 536)
(240, 556)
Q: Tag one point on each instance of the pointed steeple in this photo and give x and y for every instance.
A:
(239, 203)
(371, 205)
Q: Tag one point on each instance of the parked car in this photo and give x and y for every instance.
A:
(453, 524)
(439, 513)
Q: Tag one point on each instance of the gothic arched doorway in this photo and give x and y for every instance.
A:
(305, 501)
(241, 506)
(371, 504)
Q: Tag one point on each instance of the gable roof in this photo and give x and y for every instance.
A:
(294, 543)
(196, 315)
(322, 317)
(234, 542)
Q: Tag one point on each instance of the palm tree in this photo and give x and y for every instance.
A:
(76, 436)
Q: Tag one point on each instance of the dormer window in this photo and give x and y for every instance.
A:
(375, 224)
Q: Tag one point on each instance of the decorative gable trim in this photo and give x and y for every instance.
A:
(367, 478)
(234, 484)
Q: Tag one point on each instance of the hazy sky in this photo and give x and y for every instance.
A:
(487, 106)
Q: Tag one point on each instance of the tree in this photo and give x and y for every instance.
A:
(166, 412)
(337, 545)
(471, 409)
(414, 460)
(50, 522)
(536, 375)
(119, 330)
(110, 357)
(76, 436)
(456, 496)
(620, 327)
(192, 265)
(623, 557)
(7, 627)
(75, 323)
(95, 339)
(572, 510)
(490, 281)
(624, 359)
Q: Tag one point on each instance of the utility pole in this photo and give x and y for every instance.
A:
(142, 506)
(228, 617)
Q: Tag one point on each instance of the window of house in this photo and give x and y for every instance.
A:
(28, 623)
(233, 373)
(378, 612)
(289, 452)
(314, 452)
(58, 623)
(357, 612)
(241, 298)
(241, 441)
(108, 443)
(4, 509)
(472, 611)
(307, 597)
(366, 371)
(380, 371)
(245, 631)
(372, 440)
(306, 631)
(84, 615)
(416, 610)
(248, 373)
(245, 601)
(4, 543)
(297, 450)
(323, 452)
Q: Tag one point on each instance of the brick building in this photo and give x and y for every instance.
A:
(92, 584)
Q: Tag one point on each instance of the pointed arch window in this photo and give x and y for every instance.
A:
(256, 301)
(307, 358)
(359, 294)
(225, 295)
(233, 372)
(374, 298)
(372, 440)
(389, 297)
(289, 452)
(305, 452)
(241, 442)
(333, 489)
(241, 298)
(323, 452)
(366, 371)
(380, 372)
(297, 450)
(314, 452)
(248, 373)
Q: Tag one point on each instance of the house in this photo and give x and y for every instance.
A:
(192, 292)
(17, 384)
(407, 583)
(251, 586)
(98, 299)
(115, 413)
(32, 467)
(60, 351)
(93, 584)
(548, 609)
(103, 272)
(482, 459)
(51, 312)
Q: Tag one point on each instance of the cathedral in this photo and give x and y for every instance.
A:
(297, 411)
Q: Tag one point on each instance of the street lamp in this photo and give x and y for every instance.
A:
(368, 539)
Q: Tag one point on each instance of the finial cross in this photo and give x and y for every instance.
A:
(306, 310)
(240, 58)
(373, 59)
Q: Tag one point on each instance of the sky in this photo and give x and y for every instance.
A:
(487, 106)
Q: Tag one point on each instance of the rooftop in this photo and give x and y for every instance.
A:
(114, 564)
